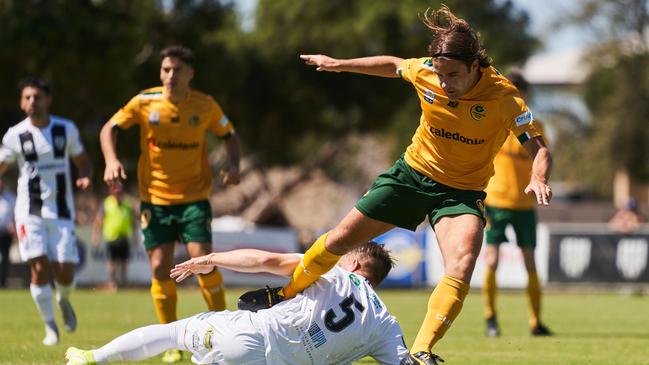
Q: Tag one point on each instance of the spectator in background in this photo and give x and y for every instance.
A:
(174, 176)
(114, 223)
(42, 146)
(7, 230)
(507, 204)
(628, 219)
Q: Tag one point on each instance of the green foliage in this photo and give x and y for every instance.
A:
(303, 104)
(98, 54)
(616, 93)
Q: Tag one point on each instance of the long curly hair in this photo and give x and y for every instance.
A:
(453, 38)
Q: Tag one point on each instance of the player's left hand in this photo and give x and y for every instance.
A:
(542, 191)
(231, 176)
(196, 265)
(83, 183)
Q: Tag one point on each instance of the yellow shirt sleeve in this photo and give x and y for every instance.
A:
(519, 119)
(408, 69)
(219, 124)
(129, 115)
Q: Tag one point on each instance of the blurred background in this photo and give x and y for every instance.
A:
(313, 142)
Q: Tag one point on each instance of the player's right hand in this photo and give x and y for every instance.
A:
(114, 172)
(196, 265)
(322, 62)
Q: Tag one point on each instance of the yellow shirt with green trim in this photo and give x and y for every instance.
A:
(512, 171)
(455, 143)
(173, 166)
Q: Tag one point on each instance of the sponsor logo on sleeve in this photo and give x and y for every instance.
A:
(429, 96)
(524, 118)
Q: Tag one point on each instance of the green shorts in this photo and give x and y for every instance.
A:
(523, 222)
(191, 222)
(403, 197)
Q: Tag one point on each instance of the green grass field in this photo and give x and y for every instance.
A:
(591, 329)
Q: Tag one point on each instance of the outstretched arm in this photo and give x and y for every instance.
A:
(384, 66)
(244, 260)
(540, 170)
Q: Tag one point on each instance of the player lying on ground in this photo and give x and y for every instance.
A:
(336, 320)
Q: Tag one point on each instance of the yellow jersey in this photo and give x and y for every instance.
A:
(512, 171)
(456, 142)
(173, 167)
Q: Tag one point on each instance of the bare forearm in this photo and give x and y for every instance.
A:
(542, 165)
(251, 261)
(108, 141)
(83, 165)
(384, 66)
(3, 167)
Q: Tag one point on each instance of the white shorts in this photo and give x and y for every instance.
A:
(224, 338)
(54, 238)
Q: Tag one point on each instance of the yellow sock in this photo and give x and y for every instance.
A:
(534, 296)
(489, 293)
(212, 289)
(316, 261)
(164, 297)
(444, 305)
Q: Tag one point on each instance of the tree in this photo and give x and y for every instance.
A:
(616, 93)
(296, 109)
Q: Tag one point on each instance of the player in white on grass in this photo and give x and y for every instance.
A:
(336, 320)
(42, 146)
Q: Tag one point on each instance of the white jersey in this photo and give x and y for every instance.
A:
(336, 320)
(43, 157)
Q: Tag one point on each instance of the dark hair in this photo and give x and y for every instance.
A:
(453, 38)
(376, 260)
(35, 83)
(516, 78)
(182, 53)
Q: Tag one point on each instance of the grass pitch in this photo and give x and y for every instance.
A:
(590, 329)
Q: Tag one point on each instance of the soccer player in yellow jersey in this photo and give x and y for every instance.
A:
(468, 110)
(174, 175)
(507, 204)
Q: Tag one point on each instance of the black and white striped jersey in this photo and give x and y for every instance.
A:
(43, 157)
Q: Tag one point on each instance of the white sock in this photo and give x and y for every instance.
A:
(63, 291)
(43, 298)
(142, 343)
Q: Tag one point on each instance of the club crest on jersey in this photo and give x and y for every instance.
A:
(28, 147)
(429, 96)
(59, 142)
(154, 117)
(195, 120)
(524, 118)
(478, 111)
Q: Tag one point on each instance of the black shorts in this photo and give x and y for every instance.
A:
(119, 250)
